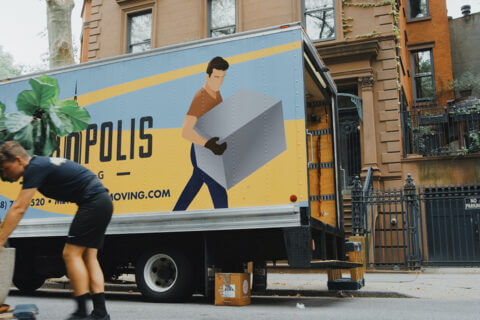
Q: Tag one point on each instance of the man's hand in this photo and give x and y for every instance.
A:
(216, 148)
(15, 214)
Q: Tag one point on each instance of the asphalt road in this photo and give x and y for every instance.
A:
(57, 304)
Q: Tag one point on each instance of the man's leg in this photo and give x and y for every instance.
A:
(190, 191)
(78, 274)
(217, 192)
(97, 284)
(95, 273)
(76, 268)
(193, 185)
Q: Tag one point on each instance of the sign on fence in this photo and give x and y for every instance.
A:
(472, 203)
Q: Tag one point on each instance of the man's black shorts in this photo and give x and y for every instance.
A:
(90, 222)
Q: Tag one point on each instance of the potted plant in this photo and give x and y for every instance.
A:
(466, 84)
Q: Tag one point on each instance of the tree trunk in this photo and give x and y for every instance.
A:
(59, 28)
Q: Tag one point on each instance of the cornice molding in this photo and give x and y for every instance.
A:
(345, 49)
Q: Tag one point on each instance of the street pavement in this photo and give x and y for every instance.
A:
(444, 293)
(57, 304)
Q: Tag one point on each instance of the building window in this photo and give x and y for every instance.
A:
(221, 17)
(319, 19)
(423, 78)
(139, 31)
(417, 9)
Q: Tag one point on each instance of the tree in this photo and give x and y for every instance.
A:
(59, 26)
(7, 68)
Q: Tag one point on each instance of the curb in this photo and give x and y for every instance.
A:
(130, 288)
(334, 294)
(126, 287)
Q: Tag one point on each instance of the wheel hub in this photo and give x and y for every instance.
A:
(160, 272)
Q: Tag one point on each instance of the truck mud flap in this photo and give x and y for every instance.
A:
(298, 244)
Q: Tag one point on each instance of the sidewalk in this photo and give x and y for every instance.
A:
(429, 283)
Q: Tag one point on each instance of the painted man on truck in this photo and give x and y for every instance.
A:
(207, 98)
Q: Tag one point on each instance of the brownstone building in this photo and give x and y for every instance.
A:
(385, 56)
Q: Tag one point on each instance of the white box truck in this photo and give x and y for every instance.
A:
(279, 173)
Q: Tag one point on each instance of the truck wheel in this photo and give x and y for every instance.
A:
(164, 275)
(28, 283)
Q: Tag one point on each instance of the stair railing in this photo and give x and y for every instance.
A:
(361, 203)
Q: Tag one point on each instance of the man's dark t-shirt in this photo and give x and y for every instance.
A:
(61, 179)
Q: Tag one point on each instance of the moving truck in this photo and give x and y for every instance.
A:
(273, 194)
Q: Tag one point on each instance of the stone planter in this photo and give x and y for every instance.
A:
(7, 263)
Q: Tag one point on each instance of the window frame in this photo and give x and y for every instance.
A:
(333, 8)
(129, 22)
(423, 75)
(209, 17)
(409, 10)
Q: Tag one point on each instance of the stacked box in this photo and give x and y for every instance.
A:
(252, 125)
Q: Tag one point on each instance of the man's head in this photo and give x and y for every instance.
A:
(216, 70)
(13, 160)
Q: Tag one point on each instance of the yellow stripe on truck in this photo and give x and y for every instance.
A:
(123, 88)
(272, 184)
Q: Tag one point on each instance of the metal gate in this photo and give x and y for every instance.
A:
(410, 227)
(452, 223)
(391, 221)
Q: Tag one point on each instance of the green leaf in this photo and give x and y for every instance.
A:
(60, 121)
(78, 116)
(37, 135)
(2, 109)
(2, 124)
(27, 101)
(50, 141)
(25, 138)
(46, 93)
(51, 81)
(5, 136)
(16, 121)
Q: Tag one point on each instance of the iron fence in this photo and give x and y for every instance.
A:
(450, 130)
(408, 227)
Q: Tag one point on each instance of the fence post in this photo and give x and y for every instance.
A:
(357, 216)
(411, 206)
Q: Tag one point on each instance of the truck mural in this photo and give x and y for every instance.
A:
(134, 140)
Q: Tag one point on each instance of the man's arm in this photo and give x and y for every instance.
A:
(15, 214)
(189, 133)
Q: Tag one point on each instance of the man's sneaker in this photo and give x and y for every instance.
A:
(93, 316)
(76, 316)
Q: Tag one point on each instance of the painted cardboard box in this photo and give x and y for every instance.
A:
(252, 125)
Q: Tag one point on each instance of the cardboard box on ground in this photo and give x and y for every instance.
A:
(232, 289)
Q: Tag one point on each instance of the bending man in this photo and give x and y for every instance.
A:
(64, 180)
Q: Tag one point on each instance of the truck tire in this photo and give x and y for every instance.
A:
(164, 275)
(28, 283)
